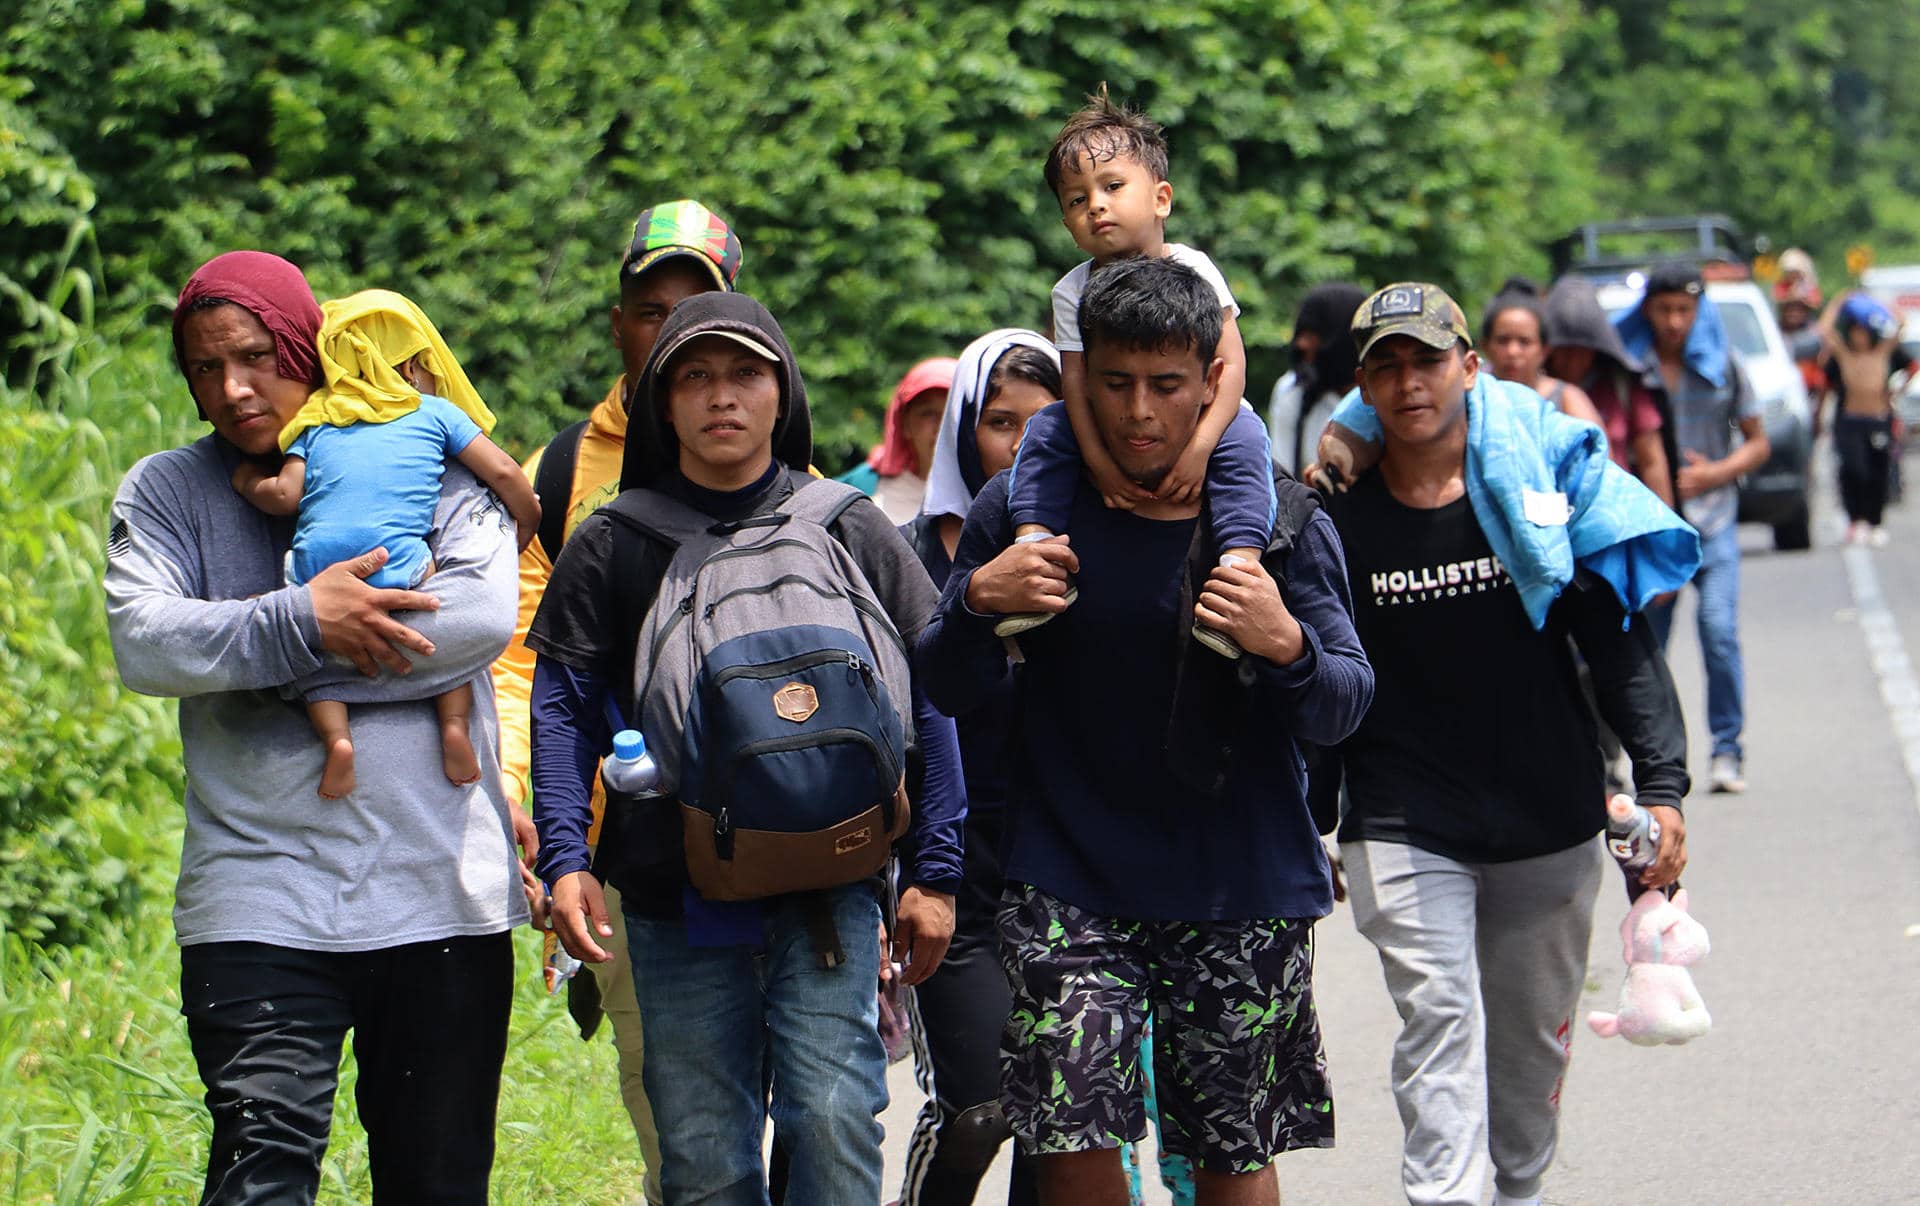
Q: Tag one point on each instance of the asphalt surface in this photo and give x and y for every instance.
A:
(1808, 1088)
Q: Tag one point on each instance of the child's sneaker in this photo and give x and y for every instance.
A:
(1213, 638)
(1026, 621)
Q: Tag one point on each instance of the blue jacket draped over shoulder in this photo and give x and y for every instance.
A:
(1552, 502)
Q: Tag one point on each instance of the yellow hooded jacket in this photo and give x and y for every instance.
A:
(596, 479)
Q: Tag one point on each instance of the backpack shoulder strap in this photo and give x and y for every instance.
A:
(553, 482)
(821, 500)
(641, 515)
(1296, 505)
(658, 516)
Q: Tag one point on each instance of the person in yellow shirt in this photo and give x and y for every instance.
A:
(677, 251)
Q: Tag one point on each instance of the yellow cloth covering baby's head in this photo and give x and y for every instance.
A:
(364, 339)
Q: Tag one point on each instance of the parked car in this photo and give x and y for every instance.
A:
(1907, 402)
(1617, 254)
(1896, 286)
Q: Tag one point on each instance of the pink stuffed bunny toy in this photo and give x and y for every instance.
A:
(1658, 1002)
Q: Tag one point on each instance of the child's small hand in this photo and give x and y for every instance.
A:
(527, 526)
(246, 475)
(1340, 457)
(1335, 453)
(1183, 482)
(1117, 490)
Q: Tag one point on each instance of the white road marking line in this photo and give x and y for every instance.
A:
(1899, 688)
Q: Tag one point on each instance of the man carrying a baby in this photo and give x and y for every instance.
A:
(385, 913)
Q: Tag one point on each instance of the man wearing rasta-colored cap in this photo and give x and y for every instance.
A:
(677, 251)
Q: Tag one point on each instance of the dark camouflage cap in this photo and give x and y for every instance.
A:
(1424, 312)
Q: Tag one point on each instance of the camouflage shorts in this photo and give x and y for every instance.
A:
(1236, 1052)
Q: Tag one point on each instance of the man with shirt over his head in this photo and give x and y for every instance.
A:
(1677, 332)
(1161, 859)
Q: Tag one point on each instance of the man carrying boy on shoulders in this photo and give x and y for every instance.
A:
(1162, 859)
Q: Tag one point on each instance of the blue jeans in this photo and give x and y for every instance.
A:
(1719, 620)
(712, 1018)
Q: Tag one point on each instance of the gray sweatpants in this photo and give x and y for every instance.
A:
(1485, 963)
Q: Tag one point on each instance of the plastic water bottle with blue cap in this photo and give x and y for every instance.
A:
(631, 770)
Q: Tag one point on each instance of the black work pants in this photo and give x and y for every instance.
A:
(1865, 449)
(429, 1024)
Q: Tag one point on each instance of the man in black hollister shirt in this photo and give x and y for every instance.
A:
(1475, 780)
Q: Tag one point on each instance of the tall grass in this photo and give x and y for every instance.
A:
(99, 1098)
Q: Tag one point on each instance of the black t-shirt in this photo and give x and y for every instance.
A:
(1479, 745)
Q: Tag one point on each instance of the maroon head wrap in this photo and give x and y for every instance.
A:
(273, 291)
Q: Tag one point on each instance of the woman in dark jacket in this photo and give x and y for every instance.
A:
(1002, 379)
(1586, 350)
(1323, 365)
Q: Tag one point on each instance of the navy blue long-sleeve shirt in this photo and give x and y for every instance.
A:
(1104, 808)
(986, 731)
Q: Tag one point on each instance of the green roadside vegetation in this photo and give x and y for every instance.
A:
(882, 166)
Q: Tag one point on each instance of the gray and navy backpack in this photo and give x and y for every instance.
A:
(773, 691)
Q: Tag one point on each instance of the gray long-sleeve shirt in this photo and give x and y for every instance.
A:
(197, 610)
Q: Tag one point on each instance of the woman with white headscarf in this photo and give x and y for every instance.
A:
(1002, 378)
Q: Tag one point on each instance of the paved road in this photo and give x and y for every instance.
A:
(1808, 1089)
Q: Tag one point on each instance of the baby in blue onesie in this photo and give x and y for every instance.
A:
(362, 469)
